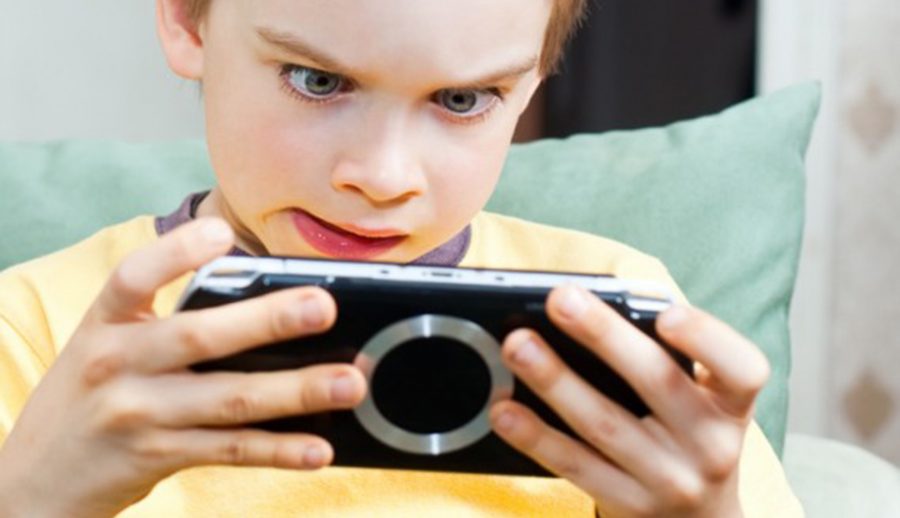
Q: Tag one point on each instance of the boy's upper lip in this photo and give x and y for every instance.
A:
(350, 228)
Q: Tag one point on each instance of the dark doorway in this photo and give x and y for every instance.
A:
(638, 63)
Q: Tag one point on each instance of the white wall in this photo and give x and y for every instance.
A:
(89, 69)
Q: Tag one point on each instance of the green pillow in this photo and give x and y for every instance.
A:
(55, 194)
(718, 199)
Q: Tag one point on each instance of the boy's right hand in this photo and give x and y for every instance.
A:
(119, 410)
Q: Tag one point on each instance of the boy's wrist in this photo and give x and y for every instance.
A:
(14, 502)
(6, 491)
(9, 493)
(21, 499)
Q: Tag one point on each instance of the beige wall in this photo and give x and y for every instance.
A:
(845, 318)
(800, 40)
(864, 405)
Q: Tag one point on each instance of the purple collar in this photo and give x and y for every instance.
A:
(448, 254)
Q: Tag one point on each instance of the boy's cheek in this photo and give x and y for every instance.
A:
(265, 154)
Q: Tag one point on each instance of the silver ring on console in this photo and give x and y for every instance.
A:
(427, 326)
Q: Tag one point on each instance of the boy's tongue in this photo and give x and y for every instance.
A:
(335, 242)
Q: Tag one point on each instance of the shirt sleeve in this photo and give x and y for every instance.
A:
(20, 371)
(763, 487)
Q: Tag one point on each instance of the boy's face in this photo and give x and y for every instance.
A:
(389, 119)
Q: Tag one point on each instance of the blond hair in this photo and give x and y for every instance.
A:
(564, 20)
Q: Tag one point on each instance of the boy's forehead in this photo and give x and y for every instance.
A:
(463, 39)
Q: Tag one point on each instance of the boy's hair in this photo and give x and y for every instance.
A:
(564, 20)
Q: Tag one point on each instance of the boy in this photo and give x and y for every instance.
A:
(356, 129)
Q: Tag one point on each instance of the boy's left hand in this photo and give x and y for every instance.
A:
(682, 459)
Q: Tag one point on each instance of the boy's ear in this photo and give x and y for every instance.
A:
(180, 38)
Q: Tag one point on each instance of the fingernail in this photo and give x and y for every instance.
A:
(528, 353)
(312, 312)
(573, 302)
(217, 232)
(315, 456)
(505, 422)
(343, 390)
(672, 317)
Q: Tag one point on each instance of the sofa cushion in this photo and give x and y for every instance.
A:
(719, 199)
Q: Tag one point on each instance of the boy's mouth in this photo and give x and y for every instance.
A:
(347, 241)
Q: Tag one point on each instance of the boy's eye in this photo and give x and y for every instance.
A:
(464, 102)
(312, 83)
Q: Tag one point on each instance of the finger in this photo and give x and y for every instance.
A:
(596, 419)
(231, 399)
(734, 368)
(669, 392)
(182, 449)
(566, 457)
(130, 290)
(194, 336)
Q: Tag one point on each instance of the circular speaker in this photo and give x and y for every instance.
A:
(414, 408)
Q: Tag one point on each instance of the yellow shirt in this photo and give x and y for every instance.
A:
(42, 302)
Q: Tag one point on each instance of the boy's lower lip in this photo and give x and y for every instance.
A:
(336, 242)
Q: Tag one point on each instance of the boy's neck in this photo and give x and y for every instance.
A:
(215, 206)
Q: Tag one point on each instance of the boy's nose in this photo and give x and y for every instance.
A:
(382, 166)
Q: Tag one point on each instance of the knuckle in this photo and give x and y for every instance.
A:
(194, 342)
(294, 312)
(642, 510)
(121, 412)
(601, 321)
(645, 507)
(239, 408)
(101, 367)
(696, 323)
(236, 450)
(284, 455)
(284, 322)
(720, 462)
(545, 375)
(182, 248)
(122, 282)
(601, 431)
(526, 434)
(665, 378)
(313, 396)
(746, 390)
(758, 373)
(684, 492)
(719, 469)
(569, 467)
(151, 451)
(698, 320)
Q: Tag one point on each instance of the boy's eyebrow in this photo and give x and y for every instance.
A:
(294, 45)
(511, 72)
